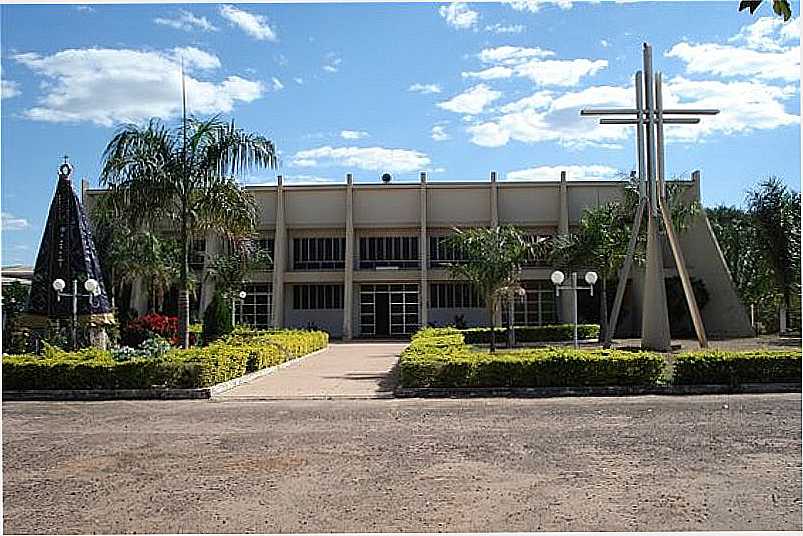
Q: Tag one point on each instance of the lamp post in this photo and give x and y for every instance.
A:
(242, 296)
(558, 277)
(93, 289)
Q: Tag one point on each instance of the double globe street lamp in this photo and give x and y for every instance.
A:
(559, 277)
(92, 287)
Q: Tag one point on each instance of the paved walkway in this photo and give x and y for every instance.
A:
(344, 370)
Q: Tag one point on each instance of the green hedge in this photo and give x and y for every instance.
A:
(242, 352)
(733, 368)
(553, 333)
(440, 358)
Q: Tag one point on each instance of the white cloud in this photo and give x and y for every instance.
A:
(729, 61)
(187, 22)
(333, 62)
(108, 86)
(276, 84)
(459, 16)
(530, 63)
(299, 81)
(252, 24)
(353, 134)
(425, 88)
(8, 89)
(505, 28)
(510, 55)
(9, 222)
(439, 133)
(368, 158)
(533, 6)
(547, 116)
(84, 8)
(472, 101)
(194, 57)
(767, 49)
(573, 172)
(604, 43)
(768, 33)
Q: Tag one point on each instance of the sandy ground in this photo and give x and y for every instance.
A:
(643, 463)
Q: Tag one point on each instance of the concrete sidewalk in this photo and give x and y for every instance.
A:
(344, 370)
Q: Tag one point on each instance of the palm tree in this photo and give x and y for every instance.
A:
(184, 178)
(775, 211)
(491, 260)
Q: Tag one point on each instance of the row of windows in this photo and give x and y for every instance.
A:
(389, 251)
(317, 296)
(319, 253)
(454, 295)
(328, 253)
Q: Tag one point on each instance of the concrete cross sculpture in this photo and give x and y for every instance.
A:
(649, 121)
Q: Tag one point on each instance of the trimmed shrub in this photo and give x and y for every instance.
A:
(224, 360)
(217, 319)
(715, 366)
(553, 333)
(440, 358)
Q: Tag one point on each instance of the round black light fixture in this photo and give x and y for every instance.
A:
(386, 178)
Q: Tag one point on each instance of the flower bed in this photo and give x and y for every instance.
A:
(240, 353)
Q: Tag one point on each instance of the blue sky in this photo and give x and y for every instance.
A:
(456, 89)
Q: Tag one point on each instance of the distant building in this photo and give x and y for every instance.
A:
(368, 260)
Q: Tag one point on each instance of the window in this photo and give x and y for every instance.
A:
(318, 297)
(266, 245)
(255, 309)
(197, 253)
(319, 253)
(387, 251)
(537, 308)
(441, 253)
(454, 295)
(536, 239)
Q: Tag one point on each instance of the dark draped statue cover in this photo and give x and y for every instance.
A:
(67, 252)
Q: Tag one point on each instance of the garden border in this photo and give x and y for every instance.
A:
(200, 393)
(615, 390)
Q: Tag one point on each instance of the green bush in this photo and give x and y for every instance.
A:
(719, 367)
(241, 352)
(217, 319)
(553, 333)
(440, 358)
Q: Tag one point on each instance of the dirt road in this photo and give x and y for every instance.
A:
(645, 463)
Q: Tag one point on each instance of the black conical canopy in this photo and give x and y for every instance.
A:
(67, 252)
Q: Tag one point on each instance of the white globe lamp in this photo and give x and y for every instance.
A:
(91, 285)
(557, 277)
(242, 294)
(58, 285)
(591, 277)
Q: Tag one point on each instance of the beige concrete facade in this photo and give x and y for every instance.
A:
(424, 210)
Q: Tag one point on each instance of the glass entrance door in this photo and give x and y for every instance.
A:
(388, 309)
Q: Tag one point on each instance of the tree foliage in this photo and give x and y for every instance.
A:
(782, 8)
(183, 178)
(492, 258)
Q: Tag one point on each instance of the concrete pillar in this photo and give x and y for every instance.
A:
(423, 254)
(654, 315)
(279, 258)
(213, 246)
(494, 201)
(139, 296)
(495, 223)
(566, 306)
(348, 264)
